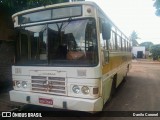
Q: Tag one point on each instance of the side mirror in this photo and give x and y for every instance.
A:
(106, 31)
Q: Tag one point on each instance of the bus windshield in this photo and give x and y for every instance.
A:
(65, 43)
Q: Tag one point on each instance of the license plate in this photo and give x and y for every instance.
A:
(45, 101)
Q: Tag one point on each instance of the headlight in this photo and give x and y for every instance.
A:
(24, 84)
(76, 89)
(18, 84)
(85, 90)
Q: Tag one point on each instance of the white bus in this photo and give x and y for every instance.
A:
(68, 56)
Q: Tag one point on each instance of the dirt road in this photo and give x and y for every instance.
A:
(140, 92)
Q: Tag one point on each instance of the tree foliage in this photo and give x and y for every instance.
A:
(134, 38)
(18, 5)
(157, 6)
(155, 50)
(147, 45)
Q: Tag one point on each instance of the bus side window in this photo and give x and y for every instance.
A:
(113, 41)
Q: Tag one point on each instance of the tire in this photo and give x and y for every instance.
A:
(113, 88)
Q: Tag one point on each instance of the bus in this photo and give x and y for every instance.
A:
(68, 56)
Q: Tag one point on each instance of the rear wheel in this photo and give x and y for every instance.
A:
(124, 78)
(127, 69)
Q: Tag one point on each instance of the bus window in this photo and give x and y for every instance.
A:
(127, 46)
(69, 43)
(118, 43)
(112, 42)
(24, 47)
(73, 42)
(32, 45)
(123, 45)
(38, 42)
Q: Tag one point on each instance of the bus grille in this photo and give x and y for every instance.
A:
(51, 85)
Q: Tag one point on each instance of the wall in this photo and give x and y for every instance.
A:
(135, 49)
(7, 47)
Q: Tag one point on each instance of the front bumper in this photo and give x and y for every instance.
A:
(61, 102)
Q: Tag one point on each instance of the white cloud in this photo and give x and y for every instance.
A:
(138, 15)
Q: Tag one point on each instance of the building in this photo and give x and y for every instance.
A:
(7, 47)
(138, 51)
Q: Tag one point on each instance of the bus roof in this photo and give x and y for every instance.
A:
(54, 6)
(67, 4)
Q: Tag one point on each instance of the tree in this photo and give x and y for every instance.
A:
(155, 50)
(9, 7)
(147, 45)
(134, 38)
(157, 6)
(19, 5)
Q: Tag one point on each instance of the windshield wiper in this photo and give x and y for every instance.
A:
(69, 21)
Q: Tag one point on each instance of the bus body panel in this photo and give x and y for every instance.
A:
(62, 102)
(71, 77)
(72, 72)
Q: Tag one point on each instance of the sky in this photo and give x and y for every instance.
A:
(133, 15)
